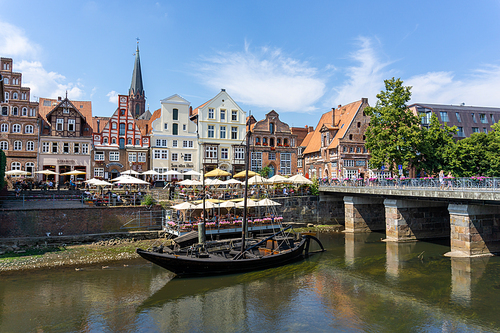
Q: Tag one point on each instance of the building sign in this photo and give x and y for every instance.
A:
(181, 165)
(360, 163)
(66, 162)
(114, 164)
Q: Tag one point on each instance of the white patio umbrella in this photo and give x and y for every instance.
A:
(186, 182)
(171, 173)
(130, 172)
(228, 204)
(150, 172)
(121, 177)
(47, 172)
(258, 180)
(17, 173)
(214, 182)
(250, 203)
(184, 206)
(299, 180)
(208, 205)
(268, 202)
(132, 180)
(277, 179)
(73, 173)
(192, 173)
(99, 182)
(91, 181)
(232, 181)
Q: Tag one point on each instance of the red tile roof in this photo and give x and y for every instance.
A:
(45, 105)
(343, 118)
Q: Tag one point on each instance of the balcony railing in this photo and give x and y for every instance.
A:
(461, 183)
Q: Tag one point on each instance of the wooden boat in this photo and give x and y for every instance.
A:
(232, 256)
(222, 258)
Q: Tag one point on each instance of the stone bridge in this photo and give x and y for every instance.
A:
(471, 218)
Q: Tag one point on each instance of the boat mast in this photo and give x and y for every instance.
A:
(201, 225)
(245, 196)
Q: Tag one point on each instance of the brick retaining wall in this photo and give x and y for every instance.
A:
(74, 221)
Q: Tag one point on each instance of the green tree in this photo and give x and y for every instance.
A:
(471, 156)
(394, 135)
(436, 146)
(265, 171)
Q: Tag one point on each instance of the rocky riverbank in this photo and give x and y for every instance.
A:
(100, 252)
(76, 256)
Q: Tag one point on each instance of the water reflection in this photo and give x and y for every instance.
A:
(465, 273)
(397, 254)
(359, 284)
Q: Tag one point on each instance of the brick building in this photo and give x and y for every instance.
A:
(468, 119)
(304, 135)
(119, 143)
(65, 137)
(337, 147)
(273, 145)
(19, 125)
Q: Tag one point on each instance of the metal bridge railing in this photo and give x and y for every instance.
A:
(459, 183)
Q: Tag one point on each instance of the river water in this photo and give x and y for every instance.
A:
(360, 284)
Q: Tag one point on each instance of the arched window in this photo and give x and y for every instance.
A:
(4, 145)
(350, 136)
(137, 109)
(271, 128)
(18, 145)
(30, 146)
(15, 111)
(4, 128)
(122, 129)
(24, 112)
(122, 143)
(105, 141)
(129, 142)
(257, 141)
(175, 114)
(137, 142)
(264, 141)
(15, 166)
(130, 127)
(271, 142)
(16, 128)
(7, 96)
(285, 142)
(5, 111)
(278, 141)
(30, 167)
(28, 129)
(14, 95)
(113, 125)
(6, 80)
(113, 141)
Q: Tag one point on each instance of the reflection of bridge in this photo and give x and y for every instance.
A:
(471, 218)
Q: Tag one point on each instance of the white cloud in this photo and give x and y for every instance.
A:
(364, 80)
(14, 43)
(479, 89)
(266, 78)
(113, 97)
(46, 84)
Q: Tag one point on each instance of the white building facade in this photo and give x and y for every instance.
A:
(174, 143)
(222, 129)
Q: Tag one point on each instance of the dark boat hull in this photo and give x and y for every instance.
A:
(187, 266)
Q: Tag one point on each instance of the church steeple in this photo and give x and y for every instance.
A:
(136, 85)
(137, 98)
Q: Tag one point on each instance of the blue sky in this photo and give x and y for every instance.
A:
(298, 58)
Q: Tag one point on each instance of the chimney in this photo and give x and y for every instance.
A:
(310, 129)
(364, 100)
(146, 129)
(223, 90)
(59, 98)
(333, 116)
(98, 123)
(190, 110)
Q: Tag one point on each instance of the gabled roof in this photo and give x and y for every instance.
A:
(306, 140)
(343, 118)
(143, 125)
(195, 111)
(46, 105)
(156, 115)
(176, 99)
(102, 123)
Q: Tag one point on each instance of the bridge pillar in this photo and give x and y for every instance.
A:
(411, 220)
(474, 230)
(363, 214)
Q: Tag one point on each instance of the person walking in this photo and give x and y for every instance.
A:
(441, 180)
